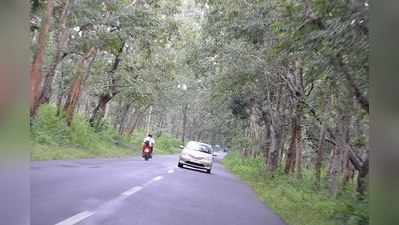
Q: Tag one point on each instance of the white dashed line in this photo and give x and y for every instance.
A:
(83, 215)
(132, 191)
(76, 218)
(153, 180)
(171, 171)
(157, 178)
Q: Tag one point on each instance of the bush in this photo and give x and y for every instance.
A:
(108, 133)
(164, 144)
(51, 129)
(48, 128)
(167, 144)
(296, 201)
(137, 137)
(53, 139)
(83, 135)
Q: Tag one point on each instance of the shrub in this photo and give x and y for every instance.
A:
(108, 133)
(167, 144)
(295, 200)
(164, 144)
(83, 135)
(48, 128)
(53, 139)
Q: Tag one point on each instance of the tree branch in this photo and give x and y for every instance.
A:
(310, 90)
(361, 99)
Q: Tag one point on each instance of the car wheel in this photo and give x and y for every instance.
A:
(180, 165)
(208, 171)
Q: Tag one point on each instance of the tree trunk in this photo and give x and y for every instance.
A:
(82, 72)
(299, 148)
(340, 148)
(61, 92)
(184, 111)
(291, 154)
(38, 59)
(191, 130)
(334, 171)
(362, 180)
(356, 92)
(274, 148)
(349, 171)
(140, 115)
(199, 136)
(295, 150)
(319, 156)
(61, 44)
(267, 144)
(124, 116)
(299, 64)
(295, 84)
(59, 103)
(148, 123)
(99, 110)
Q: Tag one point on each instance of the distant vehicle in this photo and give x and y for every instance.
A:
(197, 155)
(216, 148)
(147, 154)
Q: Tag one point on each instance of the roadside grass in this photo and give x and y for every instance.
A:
(54, 140)
(167, 144)
(53, 152)
(296, 201)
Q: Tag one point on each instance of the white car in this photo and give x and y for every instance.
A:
(197, 155)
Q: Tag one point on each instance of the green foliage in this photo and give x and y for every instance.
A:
(240, 142)
(296, 201)
(108, 133)
(164, 144)
(53, 139)
(239, 107)
(167, 144)
(82, 134)
(48, 128)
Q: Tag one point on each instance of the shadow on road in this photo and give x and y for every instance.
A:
(193, 169)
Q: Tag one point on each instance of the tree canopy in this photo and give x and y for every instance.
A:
(282, 80)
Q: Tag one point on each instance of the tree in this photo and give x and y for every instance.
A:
(80, 76)
(62, 37)
(38, 58)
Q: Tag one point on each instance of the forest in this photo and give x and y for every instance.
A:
(282, 83)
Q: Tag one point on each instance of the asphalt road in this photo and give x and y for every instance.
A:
(135, 192)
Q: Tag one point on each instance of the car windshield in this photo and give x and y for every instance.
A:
(199, 147)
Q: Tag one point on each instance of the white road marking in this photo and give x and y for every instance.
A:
(153, 180)
(132, 191)
(85, 214)
(157, 178)
(171, 171)
(76, 218)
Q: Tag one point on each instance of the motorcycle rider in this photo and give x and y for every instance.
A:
(150, 140)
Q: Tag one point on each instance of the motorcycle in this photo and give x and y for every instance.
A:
(147, 154)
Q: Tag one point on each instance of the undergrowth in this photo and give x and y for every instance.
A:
(297, 201)
(53, 139)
